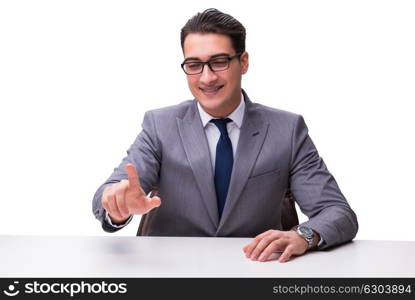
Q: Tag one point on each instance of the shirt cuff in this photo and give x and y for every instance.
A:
(108, 219)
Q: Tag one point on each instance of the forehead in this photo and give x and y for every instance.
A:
(204, 45)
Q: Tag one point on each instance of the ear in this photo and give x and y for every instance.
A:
(244, 62)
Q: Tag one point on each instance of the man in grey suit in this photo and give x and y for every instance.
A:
(221, 164)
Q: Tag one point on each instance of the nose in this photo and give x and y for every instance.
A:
(207, 77)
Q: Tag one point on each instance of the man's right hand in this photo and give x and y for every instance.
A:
(125, 198)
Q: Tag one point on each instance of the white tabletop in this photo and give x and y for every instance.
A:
(45, 256)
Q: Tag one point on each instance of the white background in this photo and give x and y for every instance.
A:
(77, 76)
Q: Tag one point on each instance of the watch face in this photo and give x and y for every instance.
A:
(306, 231)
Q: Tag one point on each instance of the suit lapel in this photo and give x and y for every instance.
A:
(252, 135)
(196, 147)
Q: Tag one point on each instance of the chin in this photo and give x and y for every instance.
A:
(211, 104)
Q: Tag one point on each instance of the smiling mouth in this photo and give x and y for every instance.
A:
(211, 91)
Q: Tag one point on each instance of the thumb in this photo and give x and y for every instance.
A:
(154, 202)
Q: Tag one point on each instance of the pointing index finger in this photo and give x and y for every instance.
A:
(132, 176)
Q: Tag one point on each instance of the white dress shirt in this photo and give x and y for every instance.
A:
(212, 131)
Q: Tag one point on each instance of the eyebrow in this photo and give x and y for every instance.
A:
(210, 57)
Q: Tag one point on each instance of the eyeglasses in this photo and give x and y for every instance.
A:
(216, 64)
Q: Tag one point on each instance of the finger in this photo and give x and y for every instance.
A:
(152, 203)
(251, 246)
(133, 177)
(104, 199)
(266, 240)
(155, 201)
(286, 255)
(114, 212)
(263, 241)
(120, 198)
(141, 205)
(268, 232)
(275, 246)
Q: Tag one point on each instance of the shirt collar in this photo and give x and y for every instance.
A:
(236, 116)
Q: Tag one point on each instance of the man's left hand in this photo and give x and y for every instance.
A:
(288, 242)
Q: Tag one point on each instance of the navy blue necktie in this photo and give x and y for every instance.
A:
(223, 163)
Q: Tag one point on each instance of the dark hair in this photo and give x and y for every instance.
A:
(215, 21)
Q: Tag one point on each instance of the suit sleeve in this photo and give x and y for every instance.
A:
(145, 155)
(317, 192)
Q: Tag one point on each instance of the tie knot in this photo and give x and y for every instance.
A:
(221, 124)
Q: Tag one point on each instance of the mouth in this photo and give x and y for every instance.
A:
(211, 91)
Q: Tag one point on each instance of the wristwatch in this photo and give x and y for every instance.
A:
(305, 232)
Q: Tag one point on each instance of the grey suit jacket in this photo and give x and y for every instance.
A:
(274, 155)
